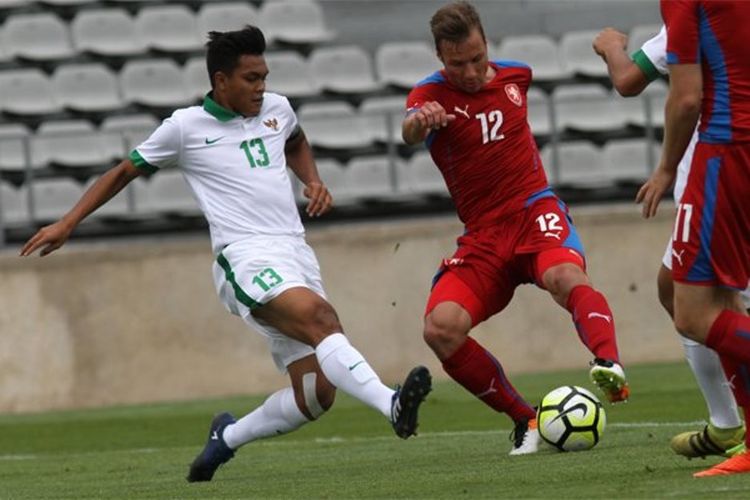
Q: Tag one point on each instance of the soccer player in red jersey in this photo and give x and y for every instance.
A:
(710, 78)
(472, 117)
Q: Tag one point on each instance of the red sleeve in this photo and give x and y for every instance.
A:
(681, 20)
(417, 97)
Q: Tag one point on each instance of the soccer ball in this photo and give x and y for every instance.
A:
(570, 418)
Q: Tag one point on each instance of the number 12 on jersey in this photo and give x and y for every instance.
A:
(491, 123)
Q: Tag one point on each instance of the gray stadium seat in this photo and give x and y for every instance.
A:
(54, 197)
(333, 174)
(69, 143)
(196, 77)
(378, 111)
(13, 151)
(334, 125)
(154, 82)
(369, 178)
(87, 87)
(14, 4)
(587, 108)
(165, 192)
(346, 69)
(628, 159)
(538, 111)
(538, 51)
(38, 37)
(224, 16)
(67, 3)
(14, 204)
(27, 92)
(106, 32)
(420, 176)
(123, 133)
(640, 35)
(403, 64)
(635, 109)
(579, 56)
(117, 206)
(289, 74)
(294, 22)
(581, 165)
(169, 28)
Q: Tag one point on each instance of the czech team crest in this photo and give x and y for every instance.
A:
(514, 94)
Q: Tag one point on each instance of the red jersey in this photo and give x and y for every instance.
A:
(487, 155)
(714, 34)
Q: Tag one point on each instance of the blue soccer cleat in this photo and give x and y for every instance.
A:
(215, 453)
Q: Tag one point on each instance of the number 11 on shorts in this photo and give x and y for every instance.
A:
(682, 222)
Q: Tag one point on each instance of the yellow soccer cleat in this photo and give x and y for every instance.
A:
(709, 441)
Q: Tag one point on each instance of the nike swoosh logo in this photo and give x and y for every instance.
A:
(579, 406)
(356, 365)
(215, 140)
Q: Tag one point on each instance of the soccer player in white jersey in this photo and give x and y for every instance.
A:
(234, 151)
(725, 430)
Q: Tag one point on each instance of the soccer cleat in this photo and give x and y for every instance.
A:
(735, 465)
(740, 448)
(709, 441)
(610, 378)
(406, 401)
(215, 453)
(525, 437)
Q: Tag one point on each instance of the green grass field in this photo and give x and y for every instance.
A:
(461, 452)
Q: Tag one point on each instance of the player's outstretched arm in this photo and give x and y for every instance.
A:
(418, 124)
(627, 78)
(52, 237)
(299, 157)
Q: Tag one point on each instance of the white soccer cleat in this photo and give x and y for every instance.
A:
(610, 378)
(525, 437)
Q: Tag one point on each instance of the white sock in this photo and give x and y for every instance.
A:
(348, 370)
(722, 408)
(278, 414)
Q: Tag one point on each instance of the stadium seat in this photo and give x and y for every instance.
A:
(580, 165)
(333, 174)
(369, 177)
(54, 197)
(123, 133)
(403, 64)
(27, 92)
(168, 28)
(87, 88)
(294, 22)
(641, 34)
(69, 143)
(67, 3)
(154, 82)
(224, 16)
(116, 207)
(196, 77)
(538, 112)
(636, 109)
(108, 32)
(420, 176)
(627, 160)
(165, 192)
(538, 51)
(345, 69)
(14, 204)
(334, 125)
(37, 37)
(13, 151)
(579, 56)
(289, 74)
(14, 4)
(377, 111)
(587, 108)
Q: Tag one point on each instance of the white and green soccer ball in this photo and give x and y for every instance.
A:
(570, 418)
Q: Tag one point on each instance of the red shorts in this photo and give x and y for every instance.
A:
(491, 262)
(711, 237)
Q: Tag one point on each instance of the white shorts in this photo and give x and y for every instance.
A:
(251, 272)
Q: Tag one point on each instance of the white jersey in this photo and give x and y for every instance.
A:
(655, 51)
(235, 166)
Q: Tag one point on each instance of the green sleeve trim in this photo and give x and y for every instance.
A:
(646, 66)
(140, 163)
(239, 293)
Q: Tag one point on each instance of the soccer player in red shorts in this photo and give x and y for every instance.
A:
(472, 117)
(710, 78)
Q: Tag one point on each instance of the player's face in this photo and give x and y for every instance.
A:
(244, 88)
(465, 62)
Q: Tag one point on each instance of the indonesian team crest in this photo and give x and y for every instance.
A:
(514, 94)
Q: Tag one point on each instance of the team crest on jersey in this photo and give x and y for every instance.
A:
(272, 123)
(514, 94)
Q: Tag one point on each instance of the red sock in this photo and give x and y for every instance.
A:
(481, 374)
(730, 336)
(594, 322)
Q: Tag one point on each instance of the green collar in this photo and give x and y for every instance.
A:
(219, 112)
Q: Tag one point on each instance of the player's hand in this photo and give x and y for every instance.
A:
(320, 198)
(652, 191)
(609, 39)
(432, 116)
(49, 238)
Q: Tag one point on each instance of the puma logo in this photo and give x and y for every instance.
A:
(464, 111)
(552, 235)
(599, 315)
(678, 256)
(489, 391)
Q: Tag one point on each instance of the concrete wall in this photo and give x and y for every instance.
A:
(138, 321)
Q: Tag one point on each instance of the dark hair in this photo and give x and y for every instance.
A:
(225, 48)
(454, 22)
